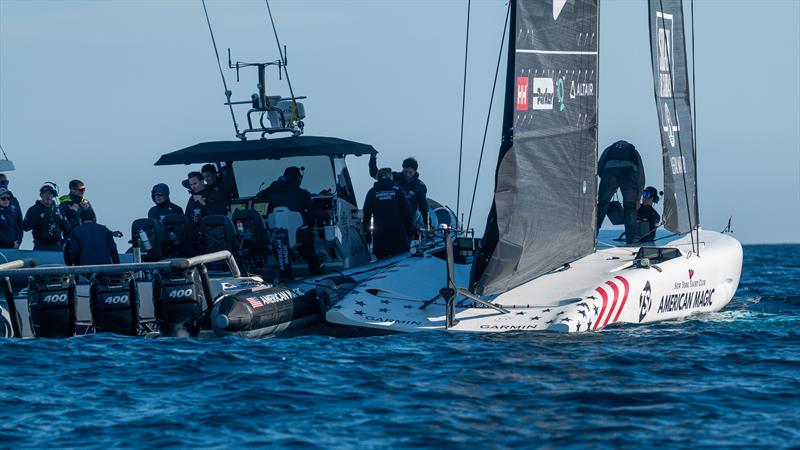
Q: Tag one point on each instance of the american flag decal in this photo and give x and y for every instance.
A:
(254, 302)
(614, 295)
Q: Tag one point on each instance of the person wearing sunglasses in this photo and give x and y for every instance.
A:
(14, 206)
(46, 222)
(8, 224)
(163, 206)
(72, 203)
(648, 218)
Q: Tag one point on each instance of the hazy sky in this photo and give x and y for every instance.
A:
(99, 90)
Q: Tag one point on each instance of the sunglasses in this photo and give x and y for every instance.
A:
(159, 195)
(83, 189)
(646, 194)
(5, 199)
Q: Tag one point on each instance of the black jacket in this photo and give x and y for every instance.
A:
(387, 206)
(415, 190)
(9, 232)
(70, 208)
(48, 224)
(281, 193)
(92, 243)
(17, 212)
(648, 214)
(622, 155)
(215, 204)
(158, 212)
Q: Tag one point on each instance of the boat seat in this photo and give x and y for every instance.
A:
(283, 218)
(251, 232)
(218, 233)
(178, 236)
(155, 236)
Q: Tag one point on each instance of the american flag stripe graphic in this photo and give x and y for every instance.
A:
(625, 288)
(614, 285)
(615, 290)
(254, 302)
(604, 296)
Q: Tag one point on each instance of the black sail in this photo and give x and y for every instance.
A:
(543, 215)
(670, 76)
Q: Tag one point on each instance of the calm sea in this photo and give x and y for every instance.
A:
(729, 379)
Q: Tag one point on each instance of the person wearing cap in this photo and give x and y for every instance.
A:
(620, 167)
(386, 208)
(46, 222)
(9, 231)
(16, 210)
(72, 203)
(408, 181)
(286, 192)
(648, 218)
(91, 243)
(163, 206)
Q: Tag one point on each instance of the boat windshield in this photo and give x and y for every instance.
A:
(252, 176)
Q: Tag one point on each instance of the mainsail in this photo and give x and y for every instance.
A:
(543, 215)
(668, 53)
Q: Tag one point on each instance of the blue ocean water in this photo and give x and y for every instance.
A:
(725, 379)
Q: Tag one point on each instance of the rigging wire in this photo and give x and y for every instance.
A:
(488, 115)
(680, 146)
(463, 105)
(4, 152)
(295, 113)
(694, 137)
(221, 74)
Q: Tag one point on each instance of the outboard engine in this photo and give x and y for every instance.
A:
(264, 311)
(51, 305)
(114, 302)
(178, 301)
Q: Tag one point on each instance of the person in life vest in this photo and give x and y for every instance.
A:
(286, 192)
(414, 189)
(91, 243)
(620, 167)
(46, 222)
(647, 216)
(72, 203)
(9, 233)
(163, 206)
(387, 207)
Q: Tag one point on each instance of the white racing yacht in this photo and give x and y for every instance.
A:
(539, 265)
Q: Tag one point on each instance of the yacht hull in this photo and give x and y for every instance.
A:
(595, 292)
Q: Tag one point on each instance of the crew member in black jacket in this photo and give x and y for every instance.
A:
(386, 204)
(408, 181)
(163, 206)
(647, 216)
(620, 167)
(9, 233)
(45, 220)
(287, 192)
(91, 243)
(16, 210)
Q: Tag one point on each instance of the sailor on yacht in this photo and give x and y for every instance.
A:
(390, 213)
(620, 167)
(408, 181)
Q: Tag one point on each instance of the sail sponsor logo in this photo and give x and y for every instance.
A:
(689, 284)
(645, 301)
(542, 93)
(396, 321)
(664, 35)
(522, 93)
(677, 164)
(581, 89)
(558, 6)
(668, 127)
(560, 92)
(683, 301)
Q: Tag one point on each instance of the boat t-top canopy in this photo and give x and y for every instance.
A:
(208, 152)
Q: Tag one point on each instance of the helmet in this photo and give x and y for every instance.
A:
(651, 192)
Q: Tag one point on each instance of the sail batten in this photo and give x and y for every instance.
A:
(671, 86)
(543, 214)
